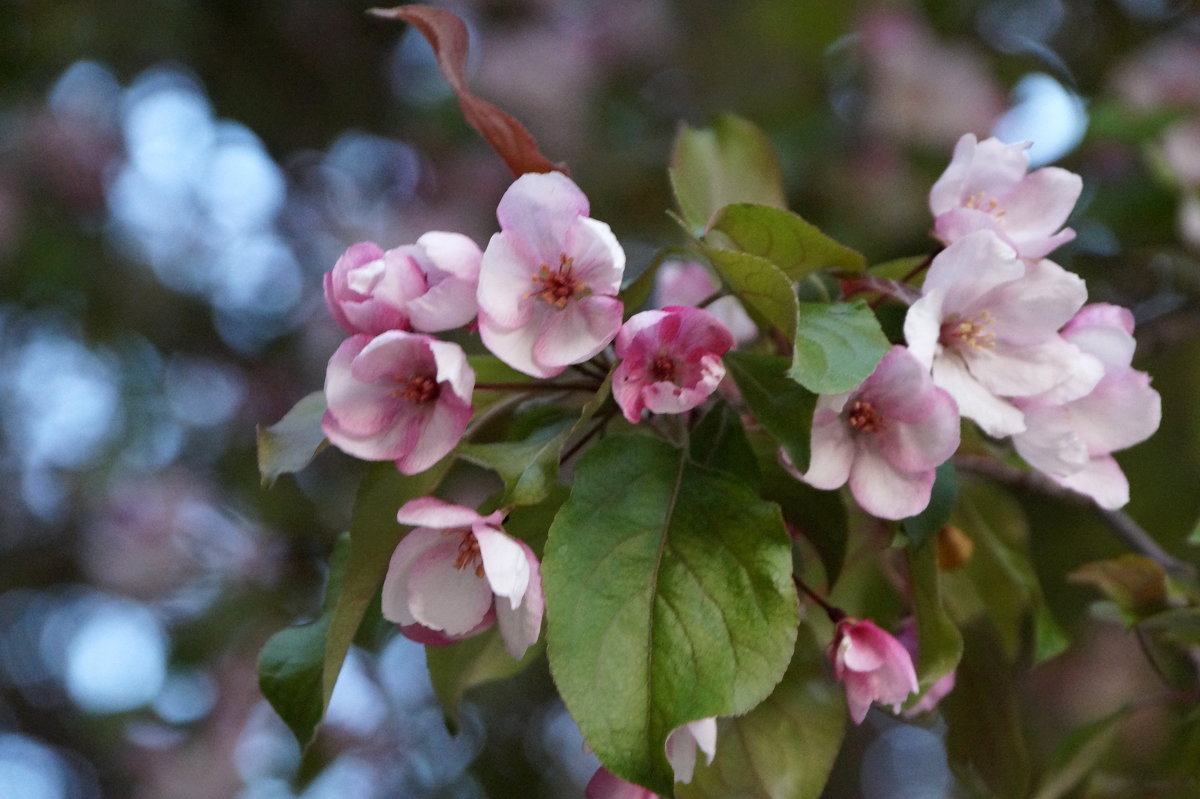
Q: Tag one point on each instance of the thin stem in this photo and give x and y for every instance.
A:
(835, 614)
(566, 385)
(887, 288)
(586, 437)
(921, 267)
(1120, 523)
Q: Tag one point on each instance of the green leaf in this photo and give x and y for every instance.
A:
(785, 747)
(939, 643)
(924, 525)
(732, 161)
(474, 661)
(720, 443)
(637, 291)
(291, 664)
(671, 604)
(838, 345)
(291, 443)
(759, 284)
(797, 247)
(782, 406)
(1137, 584)
(899, 268)
(1078, 756)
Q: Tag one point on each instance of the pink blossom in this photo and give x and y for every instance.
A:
(886, 437)
(398, 396)
(873, 666)
(671, 360)
(690, 283)
(987, 325)
(1072, 441)
(549, 279)
(428, 286)
(986, 187)
(681, 746)
(457, 572)
(606, 785)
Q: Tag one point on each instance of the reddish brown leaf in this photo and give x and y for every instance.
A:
(447, 35)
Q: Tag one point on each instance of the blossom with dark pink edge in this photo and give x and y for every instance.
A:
(886, 438)
(681, 746)
(457, 573)
(1072, 441)
(988, 186)
(872, 665)
(428, 286)
(987, 327)
(549, 279)
(670, 360)
(403, 397)
(679, 283)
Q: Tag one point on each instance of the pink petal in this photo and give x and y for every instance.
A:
(1039, 205)
(515, 346)
(1025, 371)
(446, 306)
(504, 564)
(682, 284)
(997, 417)
(989, 167)
(452, 253)
(356, 408)
(923, 327)
(395, 584)
(520, 626)
(539, 209)
(599, 261)
(577, 332)
(833, 450)
(971, 267)
(452, 368)
(1123, 410)
(883, 490)
(634, 325)
(1102, 480)
(506, 287)
(606, 785)
(443, 597)
(435, 434)
(433, 512)
(1034, 307)
(1050, 442)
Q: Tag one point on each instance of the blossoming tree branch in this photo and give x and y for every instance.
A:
(678, 452)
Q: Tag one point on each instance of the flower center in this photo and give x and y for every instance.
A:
(420, 389)
(559, 286)
(865, 418)
(663, 369)
(468, 551)
(974, 333)
(981, 202)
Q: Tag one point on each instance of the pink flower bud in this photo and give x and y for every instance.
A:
(873, 666)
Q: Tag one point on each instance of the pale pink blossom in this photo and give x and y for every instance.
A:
(403, 397)
(886, 438)
(549, 279)
(428, 286)
(1072, 441)
(671, 360)
(987, 326)
(681, 746)
(457, 573)
(987, 186)
(679, 283)
(873, 666)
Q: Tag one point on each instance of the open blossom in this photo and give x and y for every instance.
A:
(873, 666)
(681, 746)
(1072, 441)
(679, 283)
(403, 397)
(457, 573)
(886, 437)
(549, 279)
(987, 325)
(671, 360)
(987, 186)
(428, 286)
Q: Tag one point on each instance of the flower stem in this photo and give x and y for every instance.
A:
(835, 614)
(567, 385)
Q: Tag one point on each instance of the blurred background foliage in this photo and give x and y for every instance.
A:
(176, 175)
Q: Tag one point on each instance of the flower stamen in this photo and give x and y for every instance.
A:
(864, 417)
(974, 333)
(557, 287)
(419, 389)
(468, 551)
(663, 369)
(981, 202)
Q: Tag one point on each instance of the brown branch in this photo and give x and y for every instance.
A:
(1130, 532)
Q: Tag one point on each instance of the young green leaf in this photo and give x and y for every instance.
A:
(673, 604)
(760, 285)
(785, 747)
(797, 247)
(838, 345)
(291, 443)
(781, 405)
(732, 161)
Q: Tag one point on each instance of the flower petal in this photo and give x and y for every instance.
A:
(1102, 480)
(833, 451)
(436, 513)
(395, 584)
(577, 332)
(539, 209)
(997, 417)
(443, 597)
(515, 345)
(520, 626)
(884, 491)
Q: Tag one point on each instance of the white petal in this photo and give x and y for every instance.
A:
(520, 627)
(504, 563)
(832, 451)
(443, 597)
(997, 417)
(884, 491)
(433, 512)
(395, 584)
(1102, 480)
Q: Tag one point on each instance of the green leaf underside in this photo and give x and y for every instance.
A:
(759, 284)
(924, 525)
(673, 604)
(291, 443)
(838, 345)
(797, 247)
(939, 643)
(781, 405)
(731, 162)
(785, 747)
